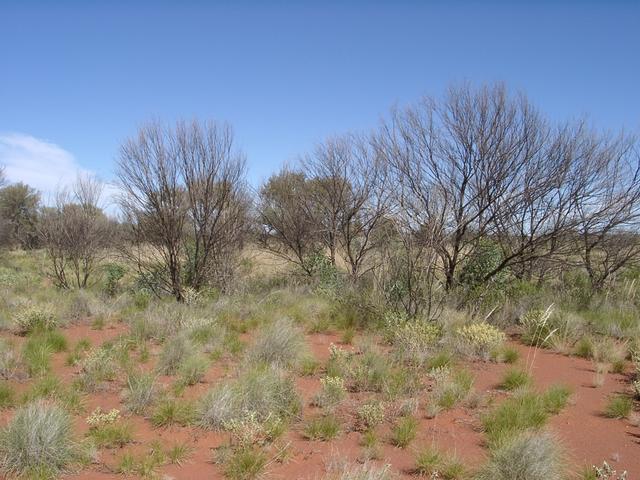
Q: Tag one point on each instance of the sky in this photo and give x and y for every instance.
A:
(78, 78)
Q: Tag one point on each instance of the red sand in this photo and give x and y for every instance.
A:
(589, 437)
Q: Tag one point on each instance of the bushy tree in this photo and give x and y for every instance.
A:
(19, 205)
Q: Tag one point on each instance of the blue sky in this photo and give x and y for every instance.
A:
(77, 78)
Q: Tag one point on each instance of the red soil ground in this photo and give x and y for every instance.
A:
(588, 436)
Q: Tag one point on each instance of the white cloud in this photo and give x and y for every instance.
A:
(41, 164)
(44, 166)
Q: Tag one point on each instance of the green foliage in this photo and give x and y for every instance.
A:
(52, 388)
(450, 389)
(36, 355)
(433, 464)
(115, 435)
(479, 340)
(323, 272)
(114, 272)
(8, 359)
(179, 453)
(192, 369)
(509, 355)
(173, 412)
(556, 398)
(514, 415)
(332, 392)
(584, 348)
(404, 431)
(474, 278)
(175, 351)
(7, 395)
(19, 205)
(514, 379)
(33, 317)
(619, 406)
(245, 464)
(322, 428)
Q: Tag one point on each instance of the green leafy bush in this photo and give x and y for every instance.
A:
(479, 340)
(34, 317)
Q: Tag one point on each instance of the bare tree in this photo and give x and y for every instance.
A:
(535, 222)
(217, 203)
(184, 197)
(3, 176)
(154, 204)
(350, 197)
(469, 150)
(608, 208)
(76, 233)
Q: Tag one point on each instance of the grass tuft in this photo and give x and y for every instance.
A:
(37, 442)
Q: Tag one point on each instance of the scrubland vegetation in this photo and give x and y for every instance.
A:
(425, 300)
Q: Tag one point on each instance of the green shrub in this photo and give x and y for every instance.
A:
(584, 347)
(371, 414)
(179, 453)
(556, 398)
(478, 340)
(36, 356)
(514, 415)
(413, 340)
(514, 379)
(484, 258)
(509, 355)
(192, 369)
(450, 389)
(140, 393)
(619, 406)
(263, 390)
(33, 317)
(7, 395)
(433, 464)
(114, 272)
(404, 431)
(245, 464)
(173, 412)
(97, 367)
(8, 359)
(323, 428)
(37, 442)
(528, 456)
(51, 388)
(175, 351)
(440, 360)
(280, 344)
(114, 435)
(332, 392)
